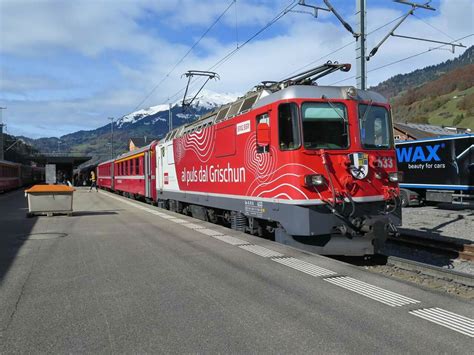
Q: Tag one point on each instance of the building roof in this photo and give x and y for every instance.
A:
(412, 132)
(60, 158)
(141, 141)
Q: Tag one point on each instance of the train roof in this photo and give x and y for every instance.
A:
(9, 162)
(262, 96)
(319, 92)
(131, 153)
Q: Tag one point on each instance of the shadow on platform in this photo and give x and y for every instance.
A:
(92, 213)
(13, 225)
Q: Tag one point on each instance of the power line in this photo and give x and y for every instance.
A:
(224, 59)
(403, 59)
(185, 55)
(435, 28)
(340, 48)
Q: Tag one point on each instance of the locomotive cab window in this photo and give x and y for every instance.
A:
(288, 126)
(324, 125)
(375, 127)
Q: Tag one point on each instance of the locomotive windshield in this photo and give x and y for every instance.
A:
(325, 125)
(375, 127)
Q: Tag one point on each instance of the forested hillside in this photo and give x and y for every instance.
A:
(441, 94)
(399, 83)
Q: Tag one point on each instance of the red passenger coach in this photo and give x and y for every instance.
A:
(132, 174)
(9, 175)
(105, 175)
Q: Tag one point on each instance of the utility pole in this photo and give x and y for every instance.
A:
(361, 33)
(111, 136)
(170, 120)
(2, 157)
(361, 65)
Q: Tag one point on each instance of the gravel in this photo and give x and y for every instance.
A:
(441, 222)
(447, 286)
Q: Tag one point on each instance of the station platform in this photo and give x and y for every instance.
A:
(120, 276)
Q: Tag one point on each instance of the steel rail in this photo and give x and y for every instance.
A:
(431, 270)
(460, 250)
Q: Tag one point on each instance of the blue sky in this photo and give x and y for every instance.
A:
(68, 65)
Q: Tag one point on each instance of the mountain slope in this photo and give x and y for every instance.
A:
(440, 94)
(151, 122)
(399, 83)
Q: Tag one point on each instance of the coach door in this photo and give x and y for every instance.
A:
(112, 175)
(161, 174)
(147, 172)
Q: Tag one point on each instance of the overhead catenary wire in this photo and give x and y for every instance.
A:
(231, 53)
(403, 59)
(340, 48)
(433, 27)
(184, 56)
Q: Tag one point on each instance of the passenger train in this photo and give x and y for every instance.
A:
(307, 165)
(14, 175)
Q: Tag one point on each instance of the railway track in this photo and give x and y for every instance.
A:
(452, 248)
(431, 270)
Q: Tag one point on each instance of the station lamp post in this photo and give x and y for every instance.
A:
(111, 136)
(1, 133)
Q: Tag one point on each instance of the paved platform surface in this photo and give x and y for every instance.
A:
(131, 278)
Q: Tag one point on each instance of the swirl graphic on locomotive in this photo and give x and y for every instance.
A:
(261, 165)
(201, 142)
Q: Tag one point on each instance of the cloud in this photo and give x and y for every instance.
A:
(140, 41)
(86, 27)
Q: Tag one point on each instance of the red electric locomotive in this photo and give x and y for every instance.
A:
(314, 166)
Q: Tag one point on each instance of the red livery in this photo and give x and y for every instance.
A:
(14, 175)
(307, 165)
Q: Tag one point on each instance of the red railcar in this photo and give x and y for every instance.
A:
(14, 175)
(105, 173)
(9, 175)
(310, 166)
(132, 174)
(313, 165)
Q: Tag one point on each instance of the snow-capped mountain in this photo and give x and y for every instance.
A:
(151, 122)
(206, 100)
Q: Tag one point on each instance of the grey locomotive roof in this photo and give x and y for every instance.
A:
(265, 96)
(317, 92)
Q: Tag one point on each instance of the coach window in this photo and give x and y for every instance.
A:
(288, 126)
(137, 166)
(324, 125)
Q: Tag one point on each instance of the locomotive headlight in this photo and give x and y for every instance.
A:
(395, 177)
(314, 180)
(352, 92)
